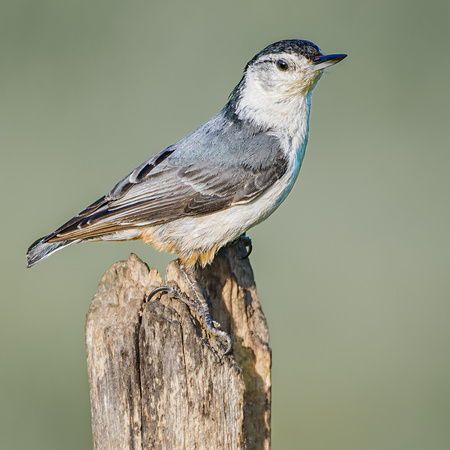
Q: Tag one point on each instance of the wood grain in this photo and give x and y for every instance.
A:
(158, 380)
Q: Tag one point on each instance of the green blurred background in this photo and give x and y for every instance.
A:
(352, 270)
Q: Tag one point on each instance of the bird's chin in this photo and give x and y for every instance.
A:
(314, 78)
(305, 84)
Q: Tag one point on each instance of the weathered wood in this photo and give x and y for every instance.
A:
(157, 380)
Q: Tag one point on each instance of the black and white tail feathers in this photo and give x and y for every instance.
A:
(41, 249)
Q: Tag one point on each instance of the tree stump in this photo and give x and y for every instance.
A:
(158, 380)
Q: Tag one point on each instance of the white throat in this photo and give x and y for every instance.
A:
(286, 115)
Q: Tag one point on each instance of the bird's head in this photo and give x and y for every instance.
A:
(278, 82)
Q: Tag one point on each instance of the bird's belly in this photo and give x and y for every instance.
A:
(191, 236)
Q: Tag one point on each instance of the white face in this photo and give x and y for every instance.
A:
(283, 75)
(276, 91)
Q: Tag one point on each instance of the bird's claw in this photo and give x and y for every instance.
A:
(198, 308)
(174, 292)
(246, 241)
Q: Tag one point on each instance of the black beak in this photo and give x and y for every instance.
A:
(324, 61)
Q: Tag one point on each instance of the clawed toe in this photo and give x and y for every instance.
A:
(198, 307)
(174, 292)
(246, 241)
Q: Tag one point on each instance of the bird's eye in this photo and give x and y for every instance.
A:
(282, 65)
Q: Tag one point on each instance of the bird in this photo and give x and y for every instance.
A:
(208, 189)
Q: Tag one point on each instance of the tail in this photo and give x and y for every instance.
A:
(41, 249)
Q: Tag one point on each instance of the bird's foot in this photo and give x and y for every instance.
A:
(174, 292)
(197, 306)
(246, 241)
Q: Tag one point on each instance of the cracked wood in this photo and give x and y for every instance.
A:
(157, 380)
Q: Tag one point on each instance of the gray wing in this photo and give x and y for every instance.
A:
(221, 164)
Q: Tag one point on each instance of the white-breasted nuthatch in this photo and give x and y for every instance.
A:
(230, 174)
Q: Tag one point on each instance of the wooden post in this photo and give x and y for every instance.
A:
(157, 380)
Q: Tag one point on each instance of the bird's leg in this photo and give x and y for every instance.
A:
(246, 241)
(198, 305)
(202, 310)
